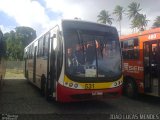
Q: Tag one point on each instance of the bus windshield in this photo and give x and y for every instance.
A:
(92, 56)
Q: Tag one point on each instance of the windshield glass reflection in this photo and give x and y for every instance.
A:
(92, 55)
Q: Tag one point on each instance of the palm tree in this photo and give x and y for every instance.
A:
(105, 17)
(142, 19)
(133, 10)
(156, 22)
(118, 11)
(134, 25)
(140, 22)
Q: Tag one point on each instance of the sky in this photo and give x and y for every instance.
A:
(44, 14)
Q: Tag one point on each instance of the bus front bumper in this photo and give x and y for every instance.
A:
(65, 94)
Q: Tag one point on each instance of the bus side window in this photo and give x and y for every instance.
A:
(136, 48)
(46, 42)
(40, 47)
(29, 52)
(32, 50)
(121, 44)
(38, 53)
(130, 49)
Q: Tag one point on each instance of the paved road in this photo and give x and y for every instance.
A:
(18, 97)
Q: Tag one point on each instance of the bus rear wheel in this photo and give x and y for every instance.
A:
(130, 89)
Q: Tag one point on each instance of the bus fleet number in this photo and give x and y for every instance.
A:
(89, 86)
(152, 36)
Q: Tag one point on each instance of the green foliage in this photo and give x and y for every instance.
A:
(156, 22)
(104, 17)
(26, 34)
(138, 20)
(17, 40)
(119, 11)
(2, 45)
(133, 9)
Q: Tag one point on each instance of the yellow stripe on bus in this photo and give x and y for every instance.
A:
(69, 83)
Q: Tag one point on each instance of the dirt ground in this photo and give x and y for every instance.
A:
(20, 100)
(14, 74)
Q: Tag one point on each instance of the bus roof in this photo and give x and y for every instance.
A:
(73, 22)
(84, 21)
(150, 31)
(88, 25)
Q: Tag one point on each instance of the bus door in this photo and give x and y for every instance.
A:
(151, 70)
(52, 66)
(34, 64)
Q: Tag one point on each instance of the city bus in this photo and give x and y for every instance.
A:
(2, 59)
(76, 61)
(141, 62)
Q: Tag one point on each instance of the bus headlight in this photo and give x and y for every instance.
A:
(115, 84)
(70, 84)
(75, 85)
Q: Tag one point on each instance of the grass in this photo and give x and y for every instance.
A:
(14, 74)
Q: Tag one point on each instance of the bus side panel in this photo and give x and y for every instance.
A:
(41, 68)
(30, 70)
(134, 69)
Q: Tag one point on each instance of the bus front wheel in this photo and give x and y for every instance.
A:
(130, 89)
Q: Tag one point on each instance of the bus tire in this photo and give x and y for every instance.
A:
(130, 88)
